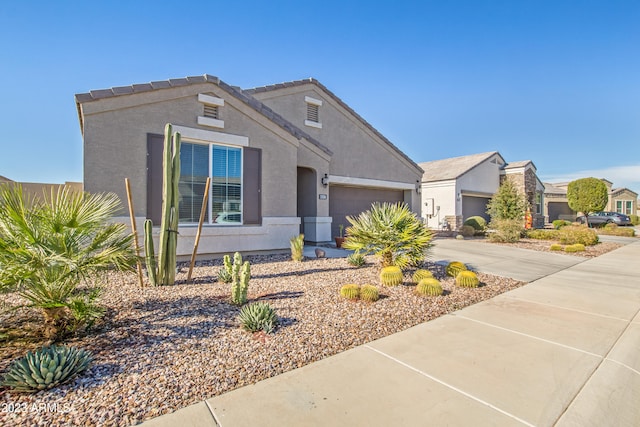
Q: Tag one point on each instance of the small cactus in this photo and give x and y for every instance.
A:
(454, 267)
(421, 274)
(240, 276)
(297, 247)
(429, 286)
(46, 368)
(350, 291)
(258, 316)
(356, 259)
(467, 279)
(369, 293)
(556, 247)
(391, 276)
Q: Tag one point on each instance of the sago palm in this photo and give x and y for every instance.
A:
(390, 231)
(52, 244)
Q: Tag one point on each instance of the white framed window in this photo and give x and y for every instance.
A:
(624, 206)
(313, 112)
(539, 203)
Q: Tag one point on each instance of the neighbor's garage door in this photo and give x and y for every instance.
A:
(352, 201)
(561, 210)
(474, 206)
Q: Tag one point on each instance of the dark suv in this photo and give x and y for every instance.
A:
(600, 218)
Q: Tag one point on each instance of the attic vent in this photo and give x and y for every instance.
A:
(211, 111)
(312, 113)
(313, 116)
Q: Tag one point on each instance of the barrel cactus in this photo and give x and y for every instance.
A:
(350, 291)
(467, 279)
(454, 267)
(46, 368)
(421, 274)
(429, 286)
(391, 276)
(369, 293)
(258, 316)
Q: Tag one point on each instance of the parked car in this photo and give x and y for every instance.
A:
(601, 218)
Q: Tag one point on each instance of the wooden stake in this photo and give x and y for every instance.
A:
(197, 241)
(135, 231)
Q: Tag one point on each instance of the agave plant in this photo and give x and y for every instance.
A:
(46, 368)
(50, 245)
(258, 316)
(390, 231)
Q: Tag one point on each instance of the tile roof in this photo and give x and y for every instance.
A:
(5, 179)
(453, 167)
(519, 164)
(550, 188)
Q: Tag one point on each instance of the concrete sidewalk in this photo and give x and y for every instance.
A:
(562, 351)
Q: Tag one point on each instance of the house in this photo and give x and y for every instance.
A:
(39, 189)
(621, 200)
(457, 188)
(283, 159)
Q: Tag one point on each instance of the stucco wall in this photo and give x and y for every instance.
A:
(443, 195)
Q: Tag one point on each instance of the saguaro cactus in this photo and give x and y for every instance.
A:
(164, 273)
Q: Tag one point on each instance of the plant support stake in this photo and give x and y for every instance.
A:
(202, 213)
(134, 230)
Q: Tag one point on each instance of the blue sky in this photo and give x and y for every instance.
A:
(556, 82)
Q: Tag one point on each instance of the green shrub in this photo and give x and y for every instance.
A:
(559, 223)
(429, 286)
(635, 219)
(467, 279)
(477, 222)
(542, 234)
(369, 293)
(297, 247)
(454, 267)
(258, 316)
(391, 276)
(356, 259)
(571, 234)
(350, 291)
(46, 368)
(576, 247)
(467, 231)
(614, 230)
(506, 230)
(421, 274)
(556, 247)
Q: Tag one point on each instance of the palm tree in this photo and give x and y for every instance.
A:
(49, 246)
(390, 231)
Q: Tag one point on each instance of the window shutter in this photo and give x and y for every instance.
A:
(252, 186)
(155, 146)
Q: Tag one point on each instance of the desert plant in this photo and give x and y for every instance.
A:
(391, 276)
(46, 368)
(571, 234)
(225, 275)
(467, 279)
(467, 231)
(454, 267)
(258, 316)
(356, 259)
(49, 246)
(390, 231)
(556, 247)
(420, 274)
(576, 247)
(542, 234)
(559, 223)
(506, 230)
(297, 247)
(614, 230)
(350, 291)
(240, 276)
(429, 286)
(635, 219)
(507, 204)
(587, 195)
(163, 272)
(369, 293)
(477, 222)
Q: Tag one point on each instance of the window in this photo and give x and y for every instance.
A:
(313, 112)
(539, 203)
(224, 165)
(624, 206)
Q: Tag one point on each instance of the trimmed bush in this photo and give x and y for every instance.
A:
(506, 230)
(258, 316)
(467, 231)
(429, 286)
(576, 247)
(559, 223)
(477, 222)
(369, 293)
(635, 219)
(542, 234)
(350, 291)
(454, 267)
(391, 276)
(571, 234)
(614, 230)
(421, 274)
(556, 247)
(467, 279)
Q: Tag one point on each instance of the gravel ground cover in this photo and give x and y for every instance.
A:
(545, 246)
(160, 349)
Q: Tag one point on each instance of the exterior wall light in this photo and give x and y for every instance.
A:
(324, 180)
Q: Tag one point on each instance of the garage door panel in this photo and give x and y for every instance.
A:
(474, 206)
(351, 201)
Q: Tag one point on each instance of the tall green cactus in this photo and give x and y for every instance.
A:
(164, 273)
(240, 273)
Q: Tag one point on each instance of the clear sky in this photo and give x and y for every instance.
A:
(556, 82)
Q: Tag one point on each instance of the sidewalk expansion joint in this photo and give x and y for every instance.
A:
(213, 414)
(456, 389)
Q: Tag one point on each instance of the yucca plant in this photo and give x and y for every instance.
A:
(356, 259)
(350, 291)
(420, 274)
(429, 286)
(454, 267)
(50, 245)
(467, 279)
(46, 368)
(390, 231)
(258, 316)
(369, 293)
(297, 247)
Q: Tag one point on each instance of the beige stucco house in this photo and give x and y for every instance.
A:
(41, 189)
(283, 159)
(457, 188)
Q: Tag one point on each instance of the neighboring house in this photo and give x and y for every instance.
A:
(38, 189)
(621, 200)
(457, 188)
(283, 159)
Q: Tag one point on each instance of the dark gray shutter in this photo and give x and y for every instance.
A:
(252, 186)
(155, 146)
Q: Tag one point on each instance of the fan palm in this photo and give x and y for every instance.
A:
(390, 231)
(50, 245)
